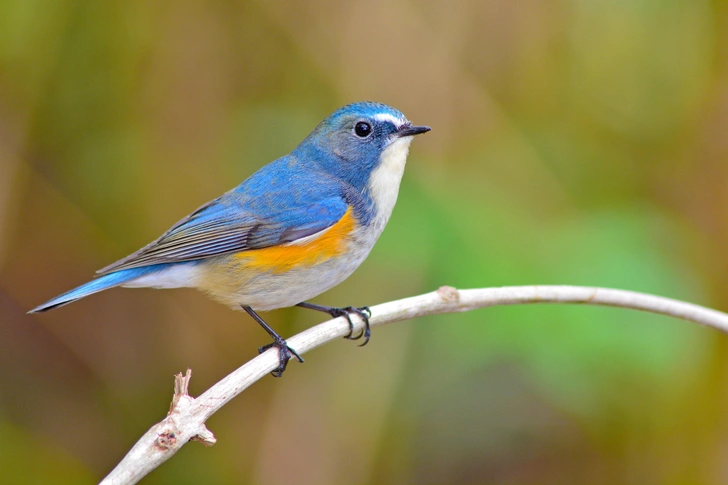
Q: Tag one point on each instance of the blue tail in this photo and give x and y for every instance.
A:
(99, 284)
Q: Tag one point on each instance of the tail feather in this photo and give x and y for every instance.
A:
(99, 284)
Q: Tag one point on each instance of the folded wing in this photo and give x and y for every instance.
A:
(228, 225)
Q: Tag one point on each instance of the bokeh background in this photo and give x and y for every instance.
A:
(574, 142)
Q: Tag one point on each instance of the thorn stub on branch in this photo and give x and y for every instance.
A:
(205, 437)
(449, 294)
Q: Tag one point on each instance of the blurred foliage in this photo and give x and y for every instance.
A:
(574, 142)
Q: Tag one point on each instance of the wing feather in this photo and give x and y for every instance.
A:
(226, 226)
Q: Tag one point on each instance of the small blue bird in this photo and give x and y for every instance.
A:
(296, 228)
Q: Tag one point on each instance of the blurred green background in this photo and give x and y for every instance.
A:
(574, 142)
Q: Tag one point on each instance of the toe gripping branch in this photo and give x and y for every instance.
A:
(285, 353)
(364, 312)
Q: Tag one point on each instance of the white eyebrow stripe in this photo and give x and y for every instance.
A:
(388, 117)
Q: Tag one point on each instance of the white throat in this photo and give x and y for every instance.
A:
(385, 179)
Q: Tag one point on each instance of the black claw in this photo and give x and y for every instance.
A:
(285, 353)
(346, 315)
(364, 313)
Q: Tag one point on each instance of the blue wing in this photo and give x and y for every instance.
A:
(280, 203)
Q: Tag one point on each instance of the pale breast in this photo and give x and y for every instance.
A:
(385, 180)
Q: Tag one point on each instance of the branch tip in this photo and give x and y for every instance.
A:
(181, 386)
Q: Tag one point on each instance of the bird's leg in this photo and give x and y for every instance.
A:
(364, 312)
(285, 353)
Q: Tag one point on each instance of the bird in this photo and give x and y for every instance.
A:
(294, 229)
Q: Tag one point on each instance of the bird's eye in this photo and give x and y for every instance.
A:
(363, 129)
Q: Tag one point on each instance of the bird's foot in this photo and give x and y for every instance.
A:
(364, 313)
(285, 353)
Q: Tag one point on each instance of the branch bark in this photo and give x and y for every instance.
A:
(187, 415)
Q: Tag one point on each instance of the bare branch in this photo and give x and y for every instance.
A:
(187, 416)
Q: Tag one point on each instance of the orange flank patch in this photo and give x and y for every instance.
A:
(280, 259)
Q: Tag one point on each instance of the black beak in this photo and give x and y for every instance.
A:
(409, 130)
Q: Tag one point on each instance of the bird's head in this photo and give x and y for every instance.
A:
(355, 140)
